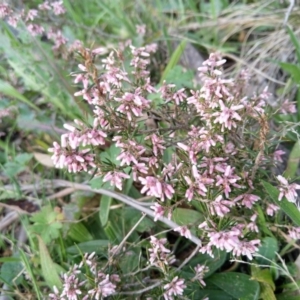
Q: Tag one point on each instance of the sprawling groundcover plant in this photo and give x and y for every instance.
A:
(209, 149)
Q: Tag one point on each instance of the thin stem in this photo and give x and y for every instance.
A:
(125, 199)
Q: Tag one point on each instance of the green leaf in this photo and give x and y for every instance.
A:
(46, 224)
(263, 276)
(285, 296)
(262, 222)
(180, 77)
(294, 70)
(195, 293)
(293, 161)
(289, 208)
(79, 233)
(173, 60)
(213, 263)
(113, 231)
(268, 249)
(104, 209)
(96, 183)
(10, 272)
(131, 216)
(295, 41)
(23, 158)
(237, 285)
(98, 246)
(28, 268)
(9, 90)
(266, 292)
(48, 267)
(183, 216)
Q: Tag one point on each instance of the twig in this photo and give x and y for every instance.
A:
(125, 199)
(288, 12)
(142, 290)
(196, 250)
(8, 219)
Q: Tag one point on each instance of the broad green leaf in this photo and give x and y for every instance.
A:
(289, 208)
(237, 285)
(194, 292)
(173, 60)
(293, 161)
(268, 249)
(183, 216)
(79, 233)
(104, 208)
(48, 267)
(10, 272)
(98, 246)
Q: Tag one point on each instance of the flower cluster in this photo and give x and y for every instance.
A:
(75, 286)
(177, 146)
(36, 25)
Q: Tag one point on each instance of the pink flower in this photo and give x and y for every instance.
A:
(271, 209)
(158, 244)
(184, 231)
(116, 178)
(157, 188)
(247, 200)
(246, 248)
(132, 105)
(175, 287)
(74, 160)
(252, 225)
(58, 8)
(288, 107)
(287, 190)
(200, 271)
(277, 156)
(179, 96)
(220, 207)
(294, 233)
(157, 143)
(140, 29)
(158, 211)
(228, 180)
(227, 116)
(31, 15)
(104, 287)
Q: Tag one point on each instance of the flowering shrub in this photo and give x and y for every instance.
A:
(208, 149)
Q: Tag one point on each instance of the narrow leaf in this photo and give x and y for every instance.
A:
(97, 246)
(173, 60)
(295, 41)
(289, 208)
(104, 209)
(293, 161)
(9, 90)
